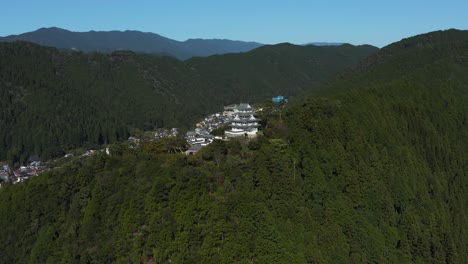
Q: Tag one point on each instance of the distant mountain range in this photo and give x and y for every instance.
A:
(325, 43)
(136, 41)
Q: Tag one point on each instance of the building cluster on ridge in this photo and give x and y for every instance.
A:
(240, 118)
(34, 167)
(22, 173)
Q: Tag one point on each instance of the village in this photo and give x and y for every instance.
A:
(236, 121)
(240, 118)
(32, 169)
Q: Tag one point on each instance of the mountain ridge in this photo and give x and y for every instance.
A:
(137, 41)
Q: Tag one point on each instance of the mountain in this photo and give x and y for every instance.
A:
(277, 69)
(373, 170)
(57, 100)
(136, 41)
(325, 43)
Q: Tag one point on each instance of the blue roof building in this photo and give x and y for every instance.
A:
(279, 99)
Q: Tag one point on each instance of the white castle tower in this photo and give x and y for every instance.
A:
(244, 123)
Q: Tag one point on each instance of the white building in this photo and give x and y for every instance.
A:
(244, 123)
(199, 137)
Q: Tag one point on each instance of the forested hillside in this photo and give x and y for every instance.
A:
(374, 171)
(52, 101)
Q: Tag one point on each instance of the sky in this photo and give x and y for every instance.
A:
(376, 22)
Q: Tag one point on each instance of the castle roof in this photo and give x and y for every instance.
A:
(244, 107)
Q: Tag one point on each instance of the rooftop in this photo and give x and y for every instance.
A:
(195, 147)
(244, 107)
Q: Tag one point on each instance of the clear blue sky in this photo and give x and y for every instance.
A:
(354, 21)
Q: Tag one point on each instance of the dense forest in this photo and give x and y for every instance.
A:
(373, 170)
(52, 101)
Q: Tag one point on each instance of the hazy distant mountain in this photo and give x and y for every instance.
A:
(325, 43)
(141, 42)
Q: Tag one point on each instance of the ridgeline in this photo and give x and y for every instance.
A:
(132, 40)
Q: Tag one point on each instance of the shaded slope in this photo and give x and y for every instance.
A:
(295, 68)
(386, 159)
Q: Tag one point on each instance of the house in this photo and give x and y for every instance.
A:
(230, 110)
(193, 149)
(35, 163)
(89, 153)
(5, 168)
(133, 142)
(174, 131)
(34, 158)
(190, 136)
(19, 179)
(4, 176)
(199, 137)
